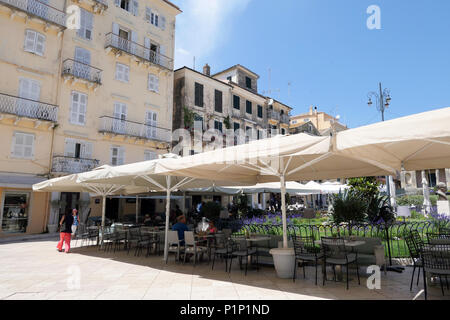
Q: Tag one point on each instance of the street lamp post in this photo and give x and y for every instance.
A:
(383, 100)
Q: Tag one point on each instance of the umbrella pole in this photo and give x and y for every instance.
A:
(283, 210)
(166, 236)
(103, 218)
(137, 209)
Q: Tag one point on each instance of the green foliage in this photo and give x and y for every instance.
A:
(188, 117)
(366, 187)
(415, 200)
(256, 213)
(211, 210)
(348, 206)
(227, 122)
(242, 205)
(379, 208)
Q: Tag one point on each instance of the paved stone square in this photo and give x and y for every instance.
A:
(36, 270)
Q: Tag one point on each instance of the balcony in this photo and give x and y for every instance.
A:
(236, 113)
(36, 8)
(71, 165)
(21, 107)
(77, 70)
(285, 118)
(134, 129)
(119, 44)
(273, 115)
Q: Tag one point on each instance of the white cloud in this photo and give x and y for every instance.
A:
(203, 26)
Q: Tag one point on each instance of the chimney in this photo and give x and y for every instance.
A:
(311, 110)
(315, 110)
(207, 70)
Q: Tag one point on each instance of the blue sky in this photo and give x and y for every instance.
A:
(324, 48)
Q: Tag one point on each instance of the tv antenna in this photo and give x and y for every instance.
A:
(269, 90)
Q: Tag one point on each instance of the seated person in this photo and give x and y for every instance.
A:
(147, 220)
(212, 228)
(180, 227)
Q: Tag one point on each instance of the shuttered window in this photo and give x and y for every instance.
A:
(122, 72)
(236, 102)
(153, 82)
(117, 156)
(198, 94)
(78, 108)
(150, 155)
(218, 101)
(34, 42)
(260, 111)
(86, 24)
(78, 149)
(23, 145)
(248, 107)
(218, 125)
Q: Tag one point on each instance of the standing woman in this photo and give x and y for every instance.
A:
(76, 221)
(65, 232)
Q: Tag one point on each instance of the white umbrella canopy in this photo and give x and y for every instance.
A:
(416, 142)
(275, 187)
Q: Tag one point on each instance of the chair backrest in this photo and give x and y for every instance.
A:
(172, 237)
(189, 238)
(227, 233)
(417, 238)
(414, 249)
(303, 245)
(333, 247)
(438, 238)
(135, 233)
(436, 257)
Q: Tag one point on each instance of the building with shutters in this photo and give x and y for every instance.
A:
(226, 100)
(77, 98)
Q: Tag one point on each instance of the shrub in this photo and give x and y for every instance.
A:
(211, 210)
(348, 206)
(415, 200)
(379, 209)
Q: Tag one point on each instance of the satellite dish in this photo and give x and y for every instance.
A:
(338, 117)
(270, 101)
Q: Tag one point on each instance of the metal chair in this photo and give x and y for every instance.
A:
(92, 235)
(305, 251)
(223, 248)
(414, 248)
(436, 261)
(336, 254)
(191, 246)
(243, 251)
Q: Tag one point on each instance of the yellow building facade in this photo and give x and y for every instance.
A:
(77, 98)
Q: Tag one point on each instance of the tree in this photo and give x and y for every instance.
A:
(348, 206)
(366, 187)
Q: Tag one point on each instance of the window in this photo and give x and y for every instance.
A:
(86, 24)
(283, 131)
(248, 82)
(78, 149)
(153, 17)
(120, 117)
(131, 6)
(153, 83)
(117, 156)
(218, 101)
(236, 126)
(248, 107)
(229, 78)
(34, 42)
(78, 108)
(236, 102)
(294, 122)
(150, 155)
(198, 119)
(218, 125)
(151, 120)
(122, 72)
(23, 145)
(30, 90)
(198, 94)
(260, 134)
(260, 111)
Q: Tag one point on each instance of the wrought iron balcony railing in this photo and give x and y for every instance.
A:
(137, 50)
(274, 115)
(64, 164)
(28, 108)
(285, 118)
(82, 71)
(134, 129)
(39, 9)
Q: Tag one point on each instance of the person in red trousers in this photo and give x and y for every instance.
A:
(65, 234)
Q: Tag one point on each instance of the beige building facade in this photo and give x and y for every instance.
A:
(78, 98)
(228, 100)
(315, 122)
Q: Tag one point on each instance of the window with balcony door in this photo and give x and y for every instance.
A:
(150, 155)
(151, 120)
(132, 6)
(30, 91)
